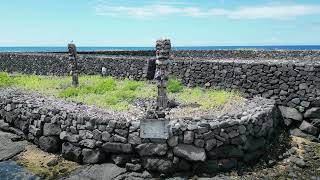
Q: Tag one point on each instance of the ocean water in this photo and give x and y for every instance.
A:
(10, 170)
(63, 49)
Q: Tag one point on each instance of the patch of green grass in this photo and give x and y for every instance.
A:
(207, 99)
(107, 85)
(174, 86)
(112, 93)
(5, 80)
(69, 92)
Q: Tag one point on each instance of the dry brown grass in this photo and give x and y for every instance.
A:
(35, 160)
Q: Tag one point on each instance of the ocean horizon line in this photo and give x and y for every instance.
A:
(145, 48)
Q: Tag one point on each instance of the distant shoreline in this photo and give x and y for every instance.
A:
(88, 49)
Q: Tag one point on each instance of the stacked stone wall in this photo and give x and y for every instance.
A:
(86, 134)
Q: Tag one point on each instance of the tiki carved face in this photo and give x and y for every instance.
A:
(72, 49)
(163, 49)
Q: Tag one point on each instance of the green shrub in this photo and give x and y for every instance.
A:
(5, 79)
(109, 84)
(175, 85)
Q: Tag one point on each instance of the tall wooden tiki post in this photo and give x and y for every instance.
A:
(74, 64)
(163, 51)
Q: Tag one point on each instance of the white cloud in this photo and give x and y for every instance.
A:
(276, 11)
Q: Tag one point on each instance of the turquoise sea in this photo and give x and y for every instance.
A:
(62, 49)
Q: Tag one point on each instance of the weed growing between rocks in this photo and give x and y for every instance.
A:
(114, 93)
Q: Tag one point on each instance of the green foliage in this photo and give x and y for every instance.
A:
(107, 85)
(5, 80)
(175, 85)
(69, 92)
(131, 85)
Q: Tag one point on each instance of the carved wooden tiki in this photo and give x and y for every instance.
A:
(163, 50)
(74, 64)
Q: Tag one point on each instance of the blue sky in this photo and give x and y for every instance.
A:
(141, 22)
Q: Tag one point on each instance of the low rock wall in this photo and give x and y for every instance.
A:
(86, 134)
(58, 64)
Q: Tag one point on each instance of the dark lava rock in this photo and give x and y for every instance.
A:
(50, 144)
(4, 126)
(308, 128)
(53, 162)
(71, 152)
(133, 167)
(149, 149)
(50, 129)
(315, 122)
(120, 159)
(299, 133)
(190, 152)
(227, 151)
(291, 113)
(298, 161)
(92, 156)
(117, 147)
(252, 144)
(157, 164)
(312, 113)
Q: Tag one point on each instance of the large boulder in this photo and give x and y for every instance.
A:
(308, 128)
(117, 147)
(50, 129)
(190, 152)
(92, 156)
(312, 113)
(50, 144)
(157, 164)
(149, 149)
(71, 152)
(291, 113)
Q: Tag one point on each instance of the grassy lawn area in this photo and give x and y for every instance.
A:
(113, 93)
